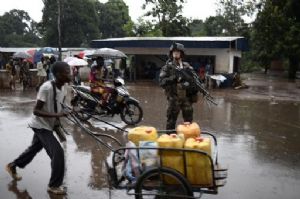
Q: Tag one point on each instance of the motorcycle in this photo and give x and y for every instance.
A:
(88, 104)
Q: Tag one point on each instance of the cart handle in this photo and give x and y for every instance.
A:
(71, 117)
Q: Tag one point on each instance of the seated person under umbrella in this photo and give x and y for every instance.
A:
(97, 84)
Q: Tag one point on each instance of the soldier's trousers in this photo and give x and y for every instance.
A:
(174, 106)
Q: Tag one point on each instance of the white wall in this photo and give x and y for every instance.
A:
(224, 57)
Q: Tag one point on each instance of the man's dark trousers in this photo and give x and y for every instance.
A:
(43, 138)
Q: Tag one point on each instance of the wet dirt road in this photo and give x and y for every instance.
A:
(258, 139)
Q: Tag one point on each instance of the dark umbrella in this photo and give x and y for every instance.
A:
(22, 55)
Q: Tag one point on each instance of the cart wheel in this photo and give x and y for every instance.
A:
(119, 156)
(154, 184)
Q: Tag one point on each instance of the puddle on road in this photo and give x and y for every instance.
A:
(258, 140)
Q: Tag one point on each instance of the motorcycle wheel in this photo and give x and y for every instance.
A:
(83, 108)
(132, 113)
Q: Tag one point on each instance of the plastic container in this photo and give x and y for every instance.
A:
(199, 170)
(189, 130)
(171, 159)
(142, 133)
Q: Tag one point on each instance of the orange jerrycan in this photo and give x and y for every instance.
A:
(171, 159)
(142, 133)
(199, 171)
(189, 130)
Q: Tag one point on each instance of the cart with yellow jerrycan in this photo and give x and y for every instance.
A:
(183, 168)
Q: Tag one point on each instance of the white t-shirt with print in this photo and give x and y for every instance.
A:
(46, 94)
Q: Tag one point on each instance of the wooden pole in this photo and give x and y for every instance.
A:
(59, 28)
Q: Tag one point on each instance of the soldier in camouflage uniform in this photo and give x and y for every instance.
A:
(175, 88)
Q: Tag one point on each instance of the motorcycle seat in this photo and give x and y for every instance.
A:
(84, 88)
(87, 89)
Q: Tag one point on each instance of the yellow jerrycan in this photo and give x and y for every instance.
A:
(142, 133)
(199, 170)
(189, 130)
(171, 159)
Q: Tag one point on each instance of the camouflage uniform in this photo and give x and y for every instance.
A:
(177, 96)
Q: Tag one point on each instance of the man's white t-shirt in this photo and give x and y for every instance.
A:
(46, 94)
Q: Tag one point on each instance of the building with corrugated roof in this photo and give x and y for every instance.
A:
(223, 53)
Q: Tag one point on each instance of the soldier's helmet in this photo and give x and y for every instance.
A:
(177, 46)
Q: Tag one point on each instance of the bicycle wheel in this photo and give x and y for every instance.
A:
(153, 184)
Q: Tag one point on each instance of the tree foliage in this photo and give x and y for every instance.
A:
(113, 18)
(79, 22)
(83, 21)
(214, 26)
(232, 14)
(18, 29)
(167, 15)
(197, 27)
(276, 33)
(143, 28)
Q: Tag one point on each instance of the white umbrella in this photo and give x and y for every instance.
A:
(88, 52)
(77, 62)
(67, 59)
(22, 55)
(107, 53)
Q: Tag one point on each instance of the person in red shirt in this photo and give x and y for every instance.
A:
(202, 73)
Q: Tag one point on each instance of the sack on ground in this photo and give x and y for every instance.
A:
(131, 168)
(148, 157)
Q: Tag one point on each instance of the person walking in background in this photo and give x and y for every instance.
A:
(10, 67)
(47, 67)
(41, 72)
(23, 68)
(25, 71)
(208, 73)
(76, 75)
(17, 67)
(52, 60)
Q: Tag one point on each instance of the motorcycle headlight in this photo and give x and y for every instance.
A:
(119, 98)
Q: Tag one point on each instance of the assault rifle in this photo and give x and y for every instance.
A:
(189, 75)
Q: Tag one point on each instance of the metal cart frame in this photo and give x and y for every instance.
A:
(119, 181)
